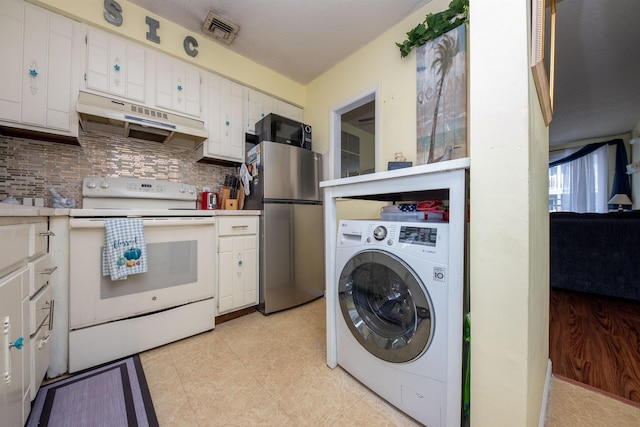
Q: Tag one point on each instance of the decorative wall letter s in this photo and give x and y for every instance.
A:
(112, 12)
(190, 44)
(153, 26)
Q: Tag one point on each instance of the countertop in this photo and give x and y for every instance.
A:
(13, 210)
(10, 209)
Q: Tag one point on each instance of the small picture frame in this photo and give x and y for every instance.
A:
(544, 81)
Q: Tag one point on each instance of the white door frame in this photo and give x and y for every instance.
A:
(335, 127)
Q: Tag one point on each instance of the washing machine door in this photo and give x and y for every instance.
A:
(385, 306)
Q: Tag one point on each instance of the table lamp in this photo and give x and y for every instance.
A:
(619, 199)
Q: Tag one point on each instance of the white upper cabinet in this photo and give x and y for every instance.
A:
(178, 85)
(224, 107)
(259, 104)
(38, 87)
(12, 34)
(289, 111)
(115, 65)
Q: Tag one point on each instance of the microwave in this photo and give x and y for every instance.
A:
(275, 128)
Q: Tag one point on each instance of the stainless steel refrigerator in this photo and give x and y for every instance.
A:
(286, 189)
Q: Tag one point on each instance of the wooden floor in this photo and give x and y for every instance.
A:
(596, 341)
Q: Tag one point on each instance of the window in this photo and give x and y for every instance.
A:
(580, 185)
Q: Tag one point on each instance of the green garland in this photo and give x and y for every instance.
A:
(436, 25)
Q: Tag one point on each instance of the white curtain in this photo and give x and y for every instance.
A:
(583, 182)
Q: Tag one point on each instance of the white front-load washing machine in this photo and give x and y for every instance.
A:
(393, 306)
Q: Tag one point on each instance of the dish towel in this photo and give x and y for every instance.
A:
(125, 250)
(245, 176)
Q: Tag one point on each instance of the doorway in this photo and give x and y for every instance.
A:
(354, 147)
(357, 141)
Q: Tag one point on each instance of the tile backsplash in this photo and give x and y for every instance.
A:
(29, 168)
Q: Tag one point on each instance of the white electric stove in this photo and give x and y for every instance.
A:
(174, 299)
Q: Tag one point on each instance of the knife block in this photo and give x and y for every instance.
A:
(232, 204)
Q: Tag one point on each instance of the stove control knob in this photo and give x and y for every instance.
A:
(104, 185)
(181, 189)
(191, 190)
(91, 184)
(380, 232)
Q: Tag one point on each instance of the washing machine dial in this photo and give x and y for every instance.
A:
(380, 232)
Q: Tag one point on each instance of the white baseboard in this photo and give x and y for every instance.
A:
(545, 396)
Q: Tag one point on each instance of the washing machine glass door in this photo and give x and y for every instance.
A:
(385, 306)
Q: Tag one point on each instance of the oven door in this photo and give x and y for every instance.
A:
(180, 259)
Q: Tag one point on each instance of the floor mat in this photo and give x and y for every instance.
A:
(115, 394)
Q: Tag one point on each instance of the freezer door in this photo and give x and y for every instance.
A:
(291, 255)
(290, 172)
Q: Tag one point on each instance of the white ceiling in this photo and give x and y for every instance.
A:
(299, 39)
(597, 83)
(597, 79)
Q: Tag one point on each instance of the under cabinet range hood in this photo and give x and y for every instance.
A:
(112, 116)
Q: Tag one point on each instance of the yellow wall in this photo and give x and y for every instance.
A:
(211, 54)
(378, 63)
(509, 221)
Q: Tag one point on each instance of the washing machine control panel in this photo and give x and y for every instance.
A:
(426, 240)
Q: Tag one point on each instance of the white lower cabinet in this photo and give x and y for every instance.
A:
(237, 262)
(15, 402)
(26, 310)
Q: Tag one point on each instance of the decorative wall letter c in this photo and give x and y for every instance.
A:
(190, 45)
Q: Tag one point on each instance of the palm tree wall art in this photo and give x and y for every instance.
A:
(442, 98)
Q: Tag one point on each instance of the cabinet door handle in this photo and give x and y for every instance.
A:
(46, 233)
(49, 305)
(6, 331)
(52, 304)
(43, 341)
(49, 271)
(239, 226)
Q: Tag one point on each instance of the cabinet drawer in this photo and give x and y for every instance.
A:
(232, 226)
(40, 309)
(15, 244)
(39, 272)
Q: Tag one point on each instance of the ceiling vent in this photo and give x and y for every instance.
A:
(219, 28)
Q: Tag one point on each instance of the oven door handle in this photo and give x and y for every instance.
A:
(147, 222)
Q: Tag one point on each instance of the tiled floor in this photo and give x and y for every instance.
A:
(271, 371)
